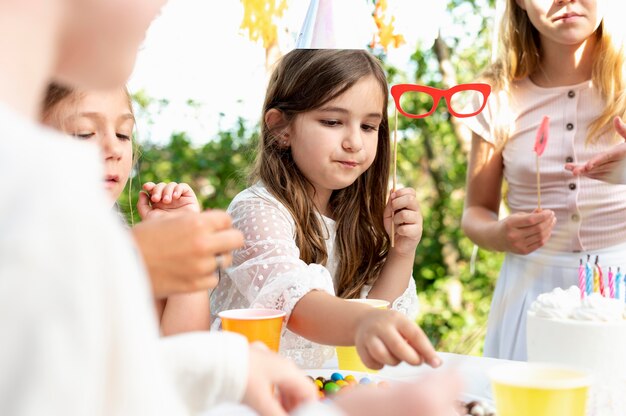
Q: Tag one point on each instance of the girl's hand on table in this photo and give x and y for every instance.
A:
(387, 337)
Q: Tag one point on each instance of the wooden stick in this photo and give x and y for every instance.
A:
(395, 163)
(538, 186)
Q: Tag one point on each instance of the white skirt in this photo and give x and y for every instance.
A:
(521, 280)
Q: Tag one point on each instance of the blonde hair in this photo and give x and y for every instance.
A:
(519, 55)
(306, 79)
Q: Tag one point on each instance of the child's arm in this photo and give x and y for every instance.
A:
(398, 268)
(269, 273)
(164, 198)
(185, 312)
(519, 233)
(382, 337)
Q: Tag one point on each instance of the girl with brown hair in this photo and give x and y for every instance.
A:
(317, 218)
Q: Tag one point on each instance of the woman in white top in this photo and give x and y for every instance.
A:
(317, 222)
(558, 60)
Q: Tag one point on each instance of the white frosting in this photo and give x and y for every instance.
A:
(557, 304)
(588, 333)
(567, 304)
(598, 308)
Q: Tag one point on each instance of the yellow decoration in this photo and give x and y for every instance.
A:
(258, 19)
(385, 23)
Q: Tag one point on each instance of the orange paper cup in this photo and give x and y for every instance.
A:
(348, 357)
(263, 325)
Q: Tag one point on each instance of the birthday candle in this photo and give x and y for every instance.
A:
(600, 278)
(581, 279)
(618, 282)
(596, 282)
(619, 277)
(611, 284)
(588, 276)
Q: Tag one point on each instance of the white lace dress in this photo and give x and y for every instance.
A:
(267, 272)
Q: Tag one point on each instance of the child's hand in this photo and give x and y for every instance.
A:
(435, 394)
(407, 220)
(166, 198)
(609, 166)
(268, 371)
(387, 337)
(523, 233)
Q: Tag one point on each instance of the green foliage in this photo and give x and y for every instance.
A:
(454, 295)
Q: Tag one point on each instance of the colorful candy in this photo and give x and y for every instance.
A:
(338, 382)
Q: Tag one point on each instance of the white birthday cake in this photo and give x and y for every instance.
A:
(589, 333)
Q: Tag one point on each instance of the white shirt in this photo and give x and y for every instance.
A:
(268, 273)
(78, 329)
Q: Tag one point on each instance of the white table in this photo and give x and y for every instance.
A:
(473, 371)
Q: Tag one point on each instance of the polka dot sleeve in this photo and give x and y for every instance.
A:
(267, 272)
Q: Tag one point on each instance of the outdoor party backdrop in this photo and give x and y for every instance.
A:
(454, 291)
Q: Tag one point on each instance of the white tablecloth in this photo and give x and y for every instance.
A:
(473, 371)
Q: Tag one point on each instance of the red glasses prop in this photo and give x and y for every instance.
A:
(456, 98)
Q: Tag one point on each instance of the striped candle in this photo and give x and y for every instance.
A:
(600, 279)
(611, 284)
(618, 283)
(581, 279)
(618, 277)
(588, 278)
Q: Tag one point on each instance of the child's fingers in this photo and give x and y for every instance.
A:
(419, 341)
(168, 191)
(182, 189)
(367, 359)
(143, 205)
(398, 348)
(406, 202)
(148, 186)
(157, 191)
(406, 216)
(380, 352)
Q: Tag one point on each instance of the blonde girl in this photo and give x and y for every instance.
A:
(557, 59)
(106, 118)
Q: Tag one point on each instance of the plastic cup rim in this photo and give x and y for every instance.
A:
(239, 314)
(502, 375)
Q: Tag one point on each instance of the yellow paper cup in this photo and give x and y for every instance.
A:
(538, 389)
(263, 325)
(348, 357)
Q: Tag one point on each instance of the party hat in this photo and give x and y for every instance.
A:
(333, 24)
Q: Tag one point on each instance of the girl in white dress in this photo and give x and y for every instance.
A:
(317, 219)
(558, 59)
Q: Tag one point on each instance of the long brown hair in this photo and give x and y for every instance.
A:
(519, 55)
(304, 80)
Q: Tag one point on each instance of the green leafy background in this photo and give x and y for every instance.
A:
(454, 291)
